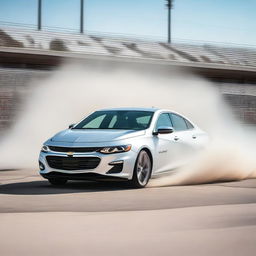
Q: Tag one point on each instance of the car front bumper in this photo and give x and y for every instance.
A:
(102, 171)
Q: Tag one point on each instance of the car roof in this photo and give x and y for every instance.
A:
(131, 109)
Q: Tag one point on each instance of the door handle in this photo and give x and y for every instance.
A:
(176, 138)
(194, 136)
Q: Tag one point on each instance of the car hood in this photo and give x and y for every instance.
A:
(80, 136)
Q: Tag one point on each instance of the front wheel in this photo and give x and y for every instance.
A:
(142, 170)
(57, 182)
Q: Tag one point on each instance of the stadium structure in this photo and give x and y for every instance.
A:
(26, 54)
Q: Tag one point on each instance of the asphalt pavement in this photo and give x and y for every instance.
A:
(90, 218)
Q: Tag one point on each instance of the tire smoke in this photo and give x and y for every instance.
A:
(74, 91)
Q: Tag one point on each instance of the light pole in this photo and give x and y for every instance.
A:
(82, 16)
(39, 15)
(169, 5)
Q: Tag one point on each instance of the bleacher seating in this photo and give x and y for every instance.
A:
(118, 46)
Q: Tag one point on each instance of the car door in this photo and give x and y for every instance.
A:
(166, 146)
(185, 134)
(198, 138)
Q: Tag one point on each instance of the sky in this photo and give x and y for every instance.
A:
(227, 21)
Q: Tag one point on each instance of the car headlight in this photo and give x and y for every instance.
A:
(45, 149)
(116, 149)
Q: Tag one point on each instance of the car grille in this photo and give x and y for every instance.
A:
(69, 149)
(72, 163)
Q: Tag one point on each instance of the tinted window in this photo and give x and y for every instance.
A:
(164, 120)
(126, 120)
(189, 125)
(96, 122)
(112, 122)
(179, 123)
(143, 120)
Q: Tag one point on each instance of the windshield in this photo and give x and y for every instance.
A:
(121, 119)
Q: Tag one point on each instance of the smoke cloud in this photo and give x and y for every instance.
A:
(74, 91)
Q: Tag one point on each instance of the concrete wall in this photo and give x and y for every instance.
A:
(13, 88)
(242, 98)
(14, 85)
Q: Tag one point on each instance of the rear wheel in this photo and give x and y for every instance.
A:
(142, 170)
(57, 182)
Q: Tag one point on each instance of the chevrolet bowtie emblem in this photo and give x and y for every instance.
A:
(70, 154)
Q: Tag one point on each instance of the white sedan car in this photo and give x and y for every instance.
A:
(132, 144)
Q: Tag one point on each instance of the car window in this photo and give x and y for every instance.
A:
(179, 123)
(112, 122)
(143, 121)
(120, 119)
(95, 123)
(189, 125)
(164, 120)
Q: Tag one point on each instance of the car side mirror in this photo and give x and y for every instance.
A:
(164, 130)
(71, 126)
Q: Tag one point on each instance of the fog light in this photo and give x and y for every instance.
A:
(117, 167)
(41, 166)
(116, 162)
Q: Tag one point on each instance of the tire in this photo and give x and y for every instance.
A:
(142, 170)
(57, 182)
